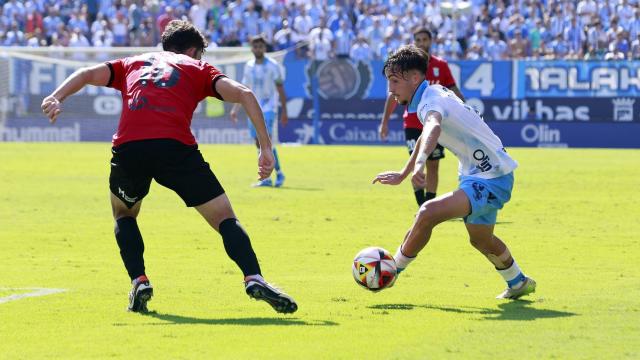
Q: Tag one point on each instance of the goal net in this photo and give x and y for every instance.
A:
(27, 75)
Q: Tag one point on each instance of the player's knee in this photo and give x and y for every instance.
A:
(429, 214)
(122, 212)
(477, 242)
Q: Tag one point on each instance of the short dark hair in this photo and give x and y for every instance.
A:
(180, 35)
(407, 57)
(423, 30)
(258, 39)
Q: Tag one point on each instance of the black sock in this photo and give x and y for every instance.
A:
(238, 246)
(429, 195)
(419, 196)
(131, 246)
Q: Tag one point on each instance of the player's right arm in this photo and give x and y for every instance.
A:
(97, 75)
(233, 91)
(389, 107)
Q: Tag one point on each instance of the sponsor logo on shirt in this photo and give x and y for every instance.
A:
(483, 159)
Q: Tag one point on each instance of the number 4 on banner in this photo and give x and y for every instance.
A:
(32, 293)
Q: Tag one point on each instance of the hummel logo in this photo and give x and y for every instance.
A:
(124, 196)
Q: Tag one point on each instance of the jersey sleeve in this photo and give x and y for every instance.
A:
(212, 76)
(424, 108)
(118, 73)
(279, 74)
(447, 79)
(245, 75)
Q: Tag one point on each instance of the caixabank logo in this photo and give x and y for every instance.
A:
(340, 79)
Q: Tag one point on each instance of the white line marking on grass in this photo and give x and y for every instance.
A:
(34, 293)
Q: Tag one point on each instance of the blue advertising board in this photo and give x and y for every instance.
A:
(345, 79)
(577, 79)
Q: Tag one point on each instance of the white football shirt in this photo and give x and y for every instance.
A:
(262, 80)
(463, 132)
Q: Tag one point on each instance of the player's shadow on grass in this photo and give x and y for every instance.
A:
(298, 188)
(513, 310)
(249, 321)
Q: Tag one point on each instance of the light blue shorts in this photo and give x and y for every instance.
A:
(486, 196)
(269, 117)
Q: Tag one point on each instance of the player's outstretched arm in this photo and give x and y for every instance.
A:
(389, 107)
(233, 91)
(396, 177)
(97, 75)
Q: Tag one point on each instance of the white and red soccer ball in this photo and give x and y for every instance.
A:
(374, 269)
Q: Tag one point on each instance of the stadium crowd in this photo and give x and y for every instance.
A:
(358, 29)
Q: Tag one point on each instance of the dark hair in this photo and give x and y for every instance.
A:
(180, 35)
(423, 31)
(407, 57)
(258, 39)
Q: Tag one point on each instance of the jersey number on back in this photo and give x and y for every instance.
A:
(160, 73)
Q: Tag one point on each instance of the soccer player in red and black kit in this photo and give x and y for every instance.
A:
(160, 91)
(438, 72)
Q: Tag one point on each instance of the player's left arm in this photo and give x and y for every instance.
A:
(283, 103)
(97, 75)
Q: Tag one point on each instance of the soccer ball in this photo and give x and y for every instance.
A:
(374, 268)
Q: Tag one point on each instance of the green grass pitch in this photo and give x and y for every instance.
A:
(572, 224)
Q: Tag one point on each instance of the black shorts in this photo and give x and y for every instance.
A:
(171, 163)
(411, 136)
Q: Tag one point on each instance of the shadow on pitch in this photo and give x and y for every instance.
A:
(513, 310)
(297, 188)
(250, 321)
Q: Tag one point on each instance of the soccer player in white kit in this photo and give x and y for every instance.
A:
(485, 169)
(265, 77)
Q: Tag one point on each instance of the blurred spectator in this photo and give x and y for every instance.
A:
(361, 52)
(597, 39)
(384, 49)
(302, 25)
(314, 34)
(14, 37)
(344, 39)
(320, 47)
(635, 48)
(283, 38)
(518, 46)
(78, 39)
(574, 36)
(316, 12)
(198, 14)
(164, 19)
(120, 28)
(586, 11)
(497, 49)
(559, 47)
(267, 29)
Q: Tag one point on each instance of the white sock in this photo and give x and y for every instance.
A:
(513, 275)
(254, 277)
(402, 261)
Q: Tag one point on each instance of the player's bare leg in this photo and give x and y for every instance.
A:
(484, 240)
(219, 214)
(448, 206)
(131, 251)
